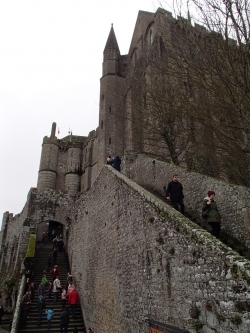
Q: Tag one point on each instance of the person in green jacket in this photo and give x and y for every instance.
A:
(44, 280)
(214, 217)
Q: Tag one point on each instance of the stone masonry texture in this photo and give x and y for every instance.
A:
(134, 257)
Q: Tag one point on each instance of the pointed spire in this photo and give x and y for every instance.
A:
(112, 42)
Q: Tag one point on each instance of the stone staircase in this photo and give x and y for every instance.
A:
(225, 238)
(42, 251)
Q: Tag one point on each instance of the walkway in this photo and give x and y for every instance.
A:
(42, 251)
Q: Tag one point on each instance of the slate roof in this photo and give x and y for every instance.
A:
(112, 42)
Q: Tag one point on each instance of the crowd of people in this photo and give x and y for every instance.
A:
(210, 211)
(48, 287)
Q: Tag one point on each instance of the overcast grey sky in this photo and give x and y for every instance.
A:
(51, 54)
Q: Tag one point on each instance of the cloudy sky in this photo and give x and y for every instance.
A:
(51, 56)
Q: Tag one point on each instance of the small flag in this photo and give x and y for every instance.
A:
(71, 136)
(58, 130)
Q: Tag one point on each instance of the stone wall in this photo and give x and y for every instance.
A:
(233, 201)
(41, 207)
(134, 258)
(15, 237)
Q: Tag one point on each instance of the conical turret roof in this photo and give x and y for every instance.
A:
(112, 42)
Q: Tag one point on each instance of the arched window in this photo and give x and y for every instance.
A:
(149, 34)
(150, 37)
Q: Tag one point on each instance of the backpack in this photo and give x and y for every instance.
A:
(41, 299)
(69, 279)
(41, 302)
(205, 213)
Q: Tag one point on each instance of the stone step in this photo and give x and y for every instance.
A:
(40, 262)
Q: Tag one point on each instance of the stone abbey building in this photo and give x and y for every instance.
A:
(72, 164)
(135, 260)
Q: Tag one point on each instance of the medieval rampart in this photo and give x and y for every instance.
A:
(134, 258)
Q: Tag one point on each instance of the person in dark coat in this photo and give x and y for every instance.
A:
(50, 288)
(64, 320)
(54, 256)
(116, 163)
(175, 193)
(25, 305)
(60, 244)
(32, 291)
(41, 304)
(69, 280)
(41, 289)
(214, 217)
(27, 284)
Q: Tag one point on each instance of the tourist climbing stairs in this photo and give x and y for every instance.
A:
(225, 238)
(42, 251)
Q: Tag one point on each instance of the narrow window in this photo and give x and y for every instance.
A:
(110, 109)
(110, 141)
(151, 37)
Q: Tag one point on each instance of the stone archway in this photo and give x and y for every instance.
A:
(50, 225)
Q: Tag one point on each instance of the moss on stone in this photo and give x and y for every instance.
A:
(242, 306)
(236, 320)
(197, 325)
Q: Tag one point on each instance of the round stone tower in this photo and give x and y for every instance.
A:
(48, 163)
(73, 170)
(112, 108)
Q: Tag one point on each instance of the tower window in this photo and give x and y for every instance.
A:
(110, 109)
(109, 141)
(150, 37)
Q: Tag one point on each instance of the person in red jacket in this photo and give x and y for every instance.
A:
(74, 299)
(55, 272)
